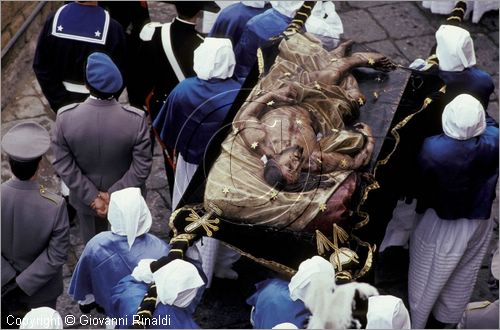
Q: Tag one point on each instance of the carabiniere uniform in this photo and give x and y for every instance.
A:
(156, 73)
(35, 229)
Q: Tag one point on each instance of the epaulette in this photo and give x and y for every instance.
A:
(132, 109)
(54, 198)
(67, 107)
(478, 305)
(148, 30)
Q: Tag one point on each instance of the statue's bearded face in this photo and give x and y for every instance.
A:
(290, 163)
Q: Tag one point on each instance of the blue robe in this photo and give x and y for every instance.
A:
(273, 305)
(458, 178)
(471, 81)
(257, 31)
(231, 21)
(106, 259)
(127, 295)
(193, 113)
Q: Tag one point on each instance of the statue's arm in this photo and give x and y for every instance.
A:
(248, 124)
(326, 162)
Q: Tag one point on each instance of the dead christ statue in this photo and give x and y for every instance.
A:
(291, 158)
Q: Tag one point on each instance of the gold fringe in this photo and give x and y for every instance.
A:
(369, 257)
(172, 219)
(397, 137)
(273, 265)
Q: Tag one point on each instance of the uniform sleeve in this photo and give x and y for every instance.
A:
(67, 168)
(142, 160)
(8, 272)
(47, 73)
(50, 261)
(142, 73)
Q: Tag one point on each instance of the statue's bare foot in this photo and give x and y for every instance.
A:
(341, 49)
(376, 61)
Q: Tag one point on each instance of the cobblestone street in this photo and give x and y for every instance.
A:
(401, 30)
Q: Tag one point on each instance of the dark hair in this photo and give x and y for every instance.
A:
(95, 92)
(98, 94)
(188, 9)
(24, 170)
(273, 175)
(306, 182)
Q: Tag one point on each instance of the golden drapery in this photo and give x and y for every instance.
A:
(236, 184)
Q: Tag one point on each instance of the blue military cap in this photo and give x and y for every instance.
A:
(26, 141)
(102, 74)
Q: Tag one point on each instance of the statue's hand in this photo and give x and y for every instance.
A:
(383, 63)
(315, 161)
(285, 94)
(364, 156)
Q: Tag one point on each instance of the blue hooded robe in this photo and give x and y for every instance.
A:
(257, 31)
(126, 297)
(106, 259)
(231, 21)
(273, 305)
(192, 114)
(458, 177)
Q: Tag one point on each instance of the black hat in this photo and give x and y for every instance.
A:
(191, 8)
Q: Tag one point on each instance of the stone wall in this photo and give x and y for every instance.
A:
(20, 55)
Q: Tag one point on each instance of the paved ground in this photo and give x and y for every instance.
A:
(401, 30)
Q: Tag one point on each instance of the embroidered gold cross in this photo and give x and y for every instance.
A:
(204, 221)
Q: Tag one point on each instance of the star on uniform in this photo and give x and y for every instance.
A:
(317, 86)
(343, 163)
(298, 122)
(274, 195)
(322, 207)
(270, 103)
(360, 101)
(287, 74)
(254, 145)
(60, 28)
(97, 33)
(236, 131)
(225, 190)
(319, 161)
(371, 61)
(375, 94)
(378, 79)
(333, 60)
